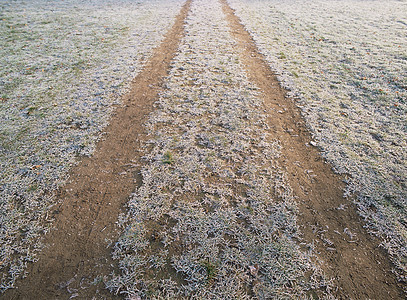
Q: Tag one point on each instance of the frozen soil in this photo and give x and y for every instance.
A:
(215, 216)
(345, 64)
(349, 255)
(230, 199)
(63, 67)
(234, 201)
(77, 255)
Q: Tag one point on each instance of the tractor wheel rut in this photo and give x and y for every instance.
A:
(348, 254)
(78, 248)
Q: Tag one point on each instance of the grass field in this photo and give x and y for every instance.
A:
(345, 62)
(62, 67)
(214, 203)
(215, 216)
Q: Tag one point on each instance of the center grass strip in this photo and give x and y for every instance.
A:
(214, 217)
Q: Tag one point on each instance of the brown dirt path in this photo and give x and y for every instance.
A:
(349, 255)
(79, 247)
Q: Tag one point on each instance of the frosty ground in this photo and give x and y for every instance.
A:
(215, 215)
(345, 62)
(63, 67)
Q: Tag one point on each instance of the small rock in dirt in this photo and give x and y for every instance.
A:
(254, 269)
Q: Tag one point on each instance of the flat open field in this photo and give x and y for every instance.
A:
(203, 149)
(63, 67)
(346, 63)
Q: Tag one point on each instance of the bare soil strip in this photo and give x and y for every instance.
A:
(214, 217)
(79, 248)
(348, 253)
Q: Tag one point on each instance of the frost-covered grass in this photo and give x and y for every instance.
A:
(214, 217)
(346, 63)
(63, 64)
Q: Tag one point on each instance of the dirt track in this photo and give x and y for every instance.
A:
(80, 245)
(356, 262)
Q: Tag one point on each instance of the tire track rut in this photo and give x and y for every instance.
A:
(348, 253)
(79, 245)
